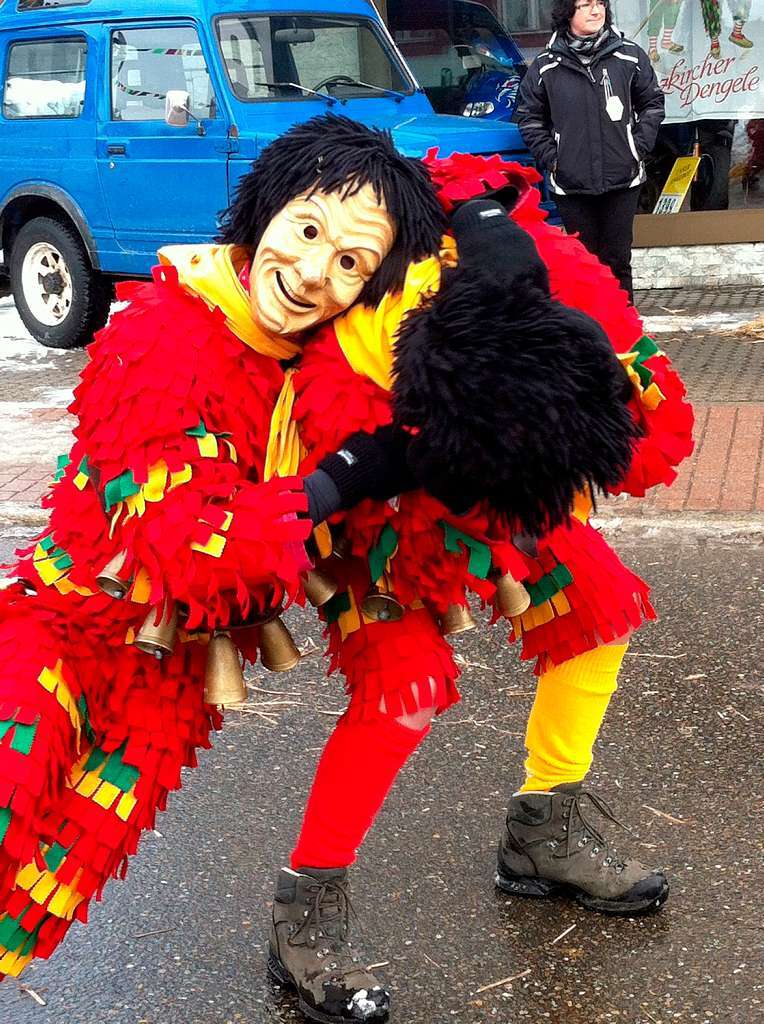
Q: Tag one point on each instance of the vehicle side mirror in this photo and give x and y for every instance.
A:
(176, 106)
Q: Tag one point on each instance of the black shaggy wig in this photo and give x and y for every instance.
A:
(514, 398)
(335, 154)
(563, 11)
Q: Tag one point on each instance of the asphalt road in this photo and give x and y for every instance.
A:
(182, 940)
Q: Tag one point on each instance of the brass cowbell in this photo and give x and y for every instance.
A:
(278, 652)
(157, 634)
(223, 677)
(511, 596)
(458, 619)
(109, 579)
(381, 606)
(319, 588)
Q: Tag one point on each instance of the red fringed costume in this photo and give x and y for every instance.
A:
(175, 413)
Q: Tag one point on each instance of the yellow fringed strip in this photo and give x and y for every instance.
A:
(141, 588)
(208, 446)
(537, 616)
(215, 546)
(13, 964)
(160, 482)
(284, 451)
(53, 681)
(64, 899)
(126, 804)
(651, 396)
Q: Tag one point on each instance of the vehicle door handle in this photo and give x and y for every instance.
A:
(116, 149)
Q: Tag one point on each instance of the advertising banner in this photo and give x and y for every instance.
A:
(708, 54)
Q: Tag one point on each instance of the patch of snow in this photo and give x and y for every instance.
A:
(696, 323)
(61, 397)
(24, 440)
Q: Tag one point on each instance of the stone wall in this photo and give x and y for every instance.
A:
(700, 266)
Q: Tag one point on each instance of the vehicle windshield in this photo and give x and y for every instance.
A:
(475, 26)
(426, 28)
(288, 57)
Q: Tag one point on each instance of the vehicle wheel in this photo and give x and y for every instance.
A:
(58, 295)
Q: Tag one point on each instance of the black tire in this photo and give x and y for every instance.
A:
(89, 294)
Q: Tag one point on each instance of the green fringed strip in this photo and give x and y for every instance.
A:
(123, 776)
(336, 605)
(379, 554)
(82, 706)
(61, 463)
(23, 735)
(480, 554)
(15, 937)
(645, 348)
(199, 430)
(121, 487)
(95, 760)
(61, 559)
(5, 820)
(23, 738)
(54, 856)
(549, 585)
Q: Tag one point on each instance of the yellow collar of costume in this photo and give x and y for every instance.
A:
(209, 271)
(367, 336)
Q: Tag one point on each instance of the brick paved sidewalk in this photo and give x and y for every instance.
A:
(725, 473)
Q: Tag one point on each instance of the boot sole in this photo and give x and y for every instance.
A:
(539, 888)
(278, 971)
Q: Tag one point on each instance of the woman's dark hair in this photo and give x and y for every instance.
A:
(335, 154)
(563, 11)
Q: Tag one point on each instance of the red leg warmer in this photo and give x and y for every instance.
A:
(357, 768)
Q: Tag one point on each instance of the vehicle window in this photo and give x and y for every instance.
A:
(433, 55)
(147, 63)
(267, 57)
(45, 78)
(36, 5)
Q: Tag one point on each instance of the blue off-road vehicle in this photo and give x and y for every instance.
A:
(125, 126)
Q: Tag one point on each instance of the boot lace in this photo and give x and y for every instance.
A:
(327, 919)
(574, 803)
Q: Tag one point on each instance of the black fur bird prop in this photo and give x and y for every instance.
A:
(509, 396)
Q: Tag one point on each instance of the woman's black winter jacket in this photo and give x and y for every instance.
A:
(575, 127)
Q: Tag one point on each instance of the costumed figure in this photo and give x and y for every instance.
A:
(712, 22)
(266, 396)
(662, 21)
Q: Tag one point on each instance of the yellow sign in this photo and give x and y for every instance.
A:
(677, 185)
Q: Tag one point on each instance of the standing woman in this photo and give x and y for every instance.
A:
(589, 109)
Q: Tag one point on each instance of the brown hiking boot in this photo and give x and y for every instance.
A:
(310, 951)
(550, 847)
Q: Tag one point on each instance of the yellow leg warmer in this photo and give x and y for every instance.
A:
(571, 701)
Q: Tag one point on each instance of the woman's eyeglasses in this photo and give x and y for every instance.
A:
(592, 5)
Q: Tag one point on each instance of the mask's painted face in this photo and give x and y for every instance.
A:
(315, 257)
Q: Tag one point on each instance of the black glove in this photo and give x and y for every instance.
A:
(366, 466)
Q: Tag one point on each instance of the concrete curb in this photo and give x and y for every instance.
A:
(15, 514)
(692, 525)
